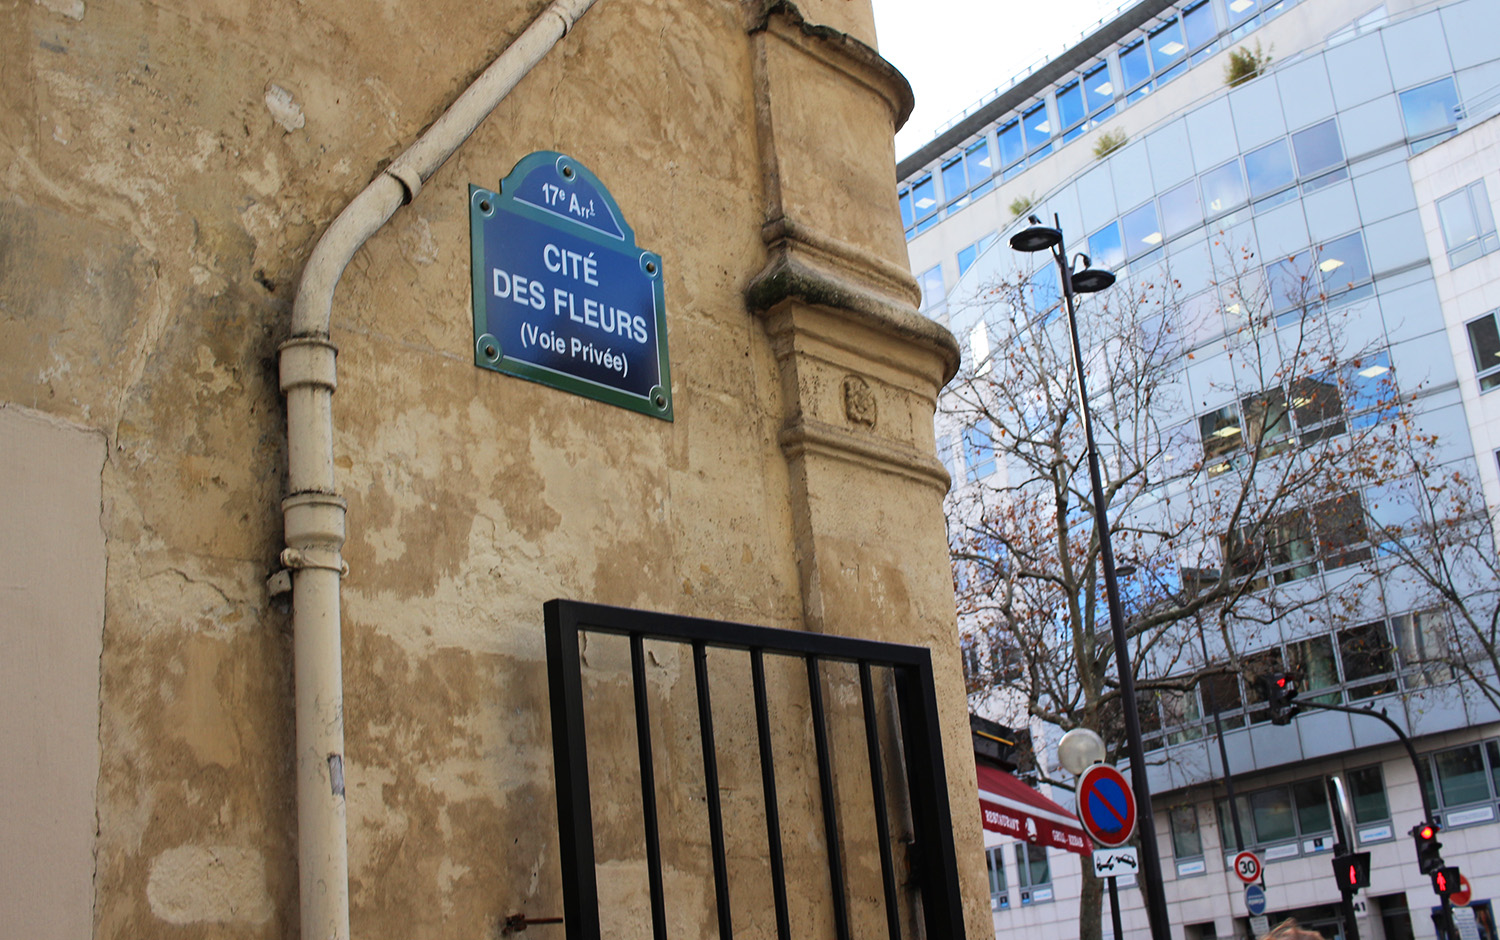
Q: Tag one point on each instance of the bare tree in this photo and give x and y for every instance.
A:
(1435, 531)
(1235, 427)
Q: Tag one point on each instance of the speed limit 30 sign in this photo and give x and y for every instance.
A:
(1247, 867)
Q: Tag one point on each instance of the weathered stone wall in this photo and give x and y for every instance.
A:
(167, 169)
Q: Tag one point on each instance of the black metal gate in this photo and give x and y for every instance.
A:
(931, 867)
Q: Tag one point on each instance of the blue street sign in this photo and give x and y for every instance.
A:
(562, 295)
(1255, 900)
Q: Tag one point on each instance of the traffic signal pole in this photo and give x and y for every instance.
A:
(1411, 752)
(1343, 828)
(1445, 927)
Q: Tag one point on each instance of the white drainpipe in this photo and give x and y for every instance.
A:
(314, 511)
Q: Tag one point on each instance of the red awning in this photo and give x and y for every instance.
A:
(1010, 807)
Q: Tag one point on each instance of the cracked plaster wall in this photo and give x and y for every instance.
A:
(164, 170)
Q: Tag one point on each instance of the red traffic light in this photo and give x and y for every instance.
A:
(1352, 871)
(1281, 682)
(1446, 881)
(1426, 832)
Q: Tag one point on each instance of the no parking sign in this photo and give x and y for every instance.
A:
(1106, 805)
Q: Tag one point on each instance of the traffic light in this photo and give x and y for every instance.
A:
(1280, 691)
(1445, 881)
(1428, 847)
(1352, 871)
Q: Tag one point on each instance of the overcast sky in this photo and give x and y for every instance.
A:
(955, 51)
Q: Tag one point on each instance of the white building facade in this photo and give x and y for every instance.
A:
(1370, 140)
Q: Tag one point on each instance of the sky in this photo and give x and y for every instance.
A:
(955, 51)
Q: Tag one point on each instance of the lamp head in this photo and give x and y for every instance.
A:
(1079, 750)
(1038, 237)
(1092, 280)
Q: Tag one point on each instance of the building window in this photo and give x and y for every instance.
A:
(979, 450)
(995, 861)
(1180, 209)
(1468, 224)
(1342, 267)
(919, 206)
(1243, 17)
(1269, 172)
(1142, 233)
(1466, 781)
(1044, 293)
(1187, 841)
(1370, 395)
(1012, 149)
(1421, 639)
(1369, 667)
(967, 256)
(1038, 130)
(1033, 874)
(1105, 248)
(1070, 110)
(1316, 407)
(1431, 113)
(1223, 188)
(1319, 151)
(1484, 347)
(1168, 52)
(1293, 288)
(1313, 411)
(1198, 23)
(1135, 69)
(979, 349)
(1343, 539)
(1180, 716)
(1220, 430)
(968, 175)
(934, 300)
(1289, 546)
(1281, 821)
(1292, 545)
(1099, 93)
(1268, 422)
(1367, 794)
(1312, 659)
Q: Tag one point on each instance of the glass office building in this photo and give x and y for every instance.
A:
(1357, 162)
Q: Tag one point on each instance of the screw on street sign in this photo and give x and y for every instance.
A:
(1106, 806)
(562, 294)
(1255, 900)
(1247, 867)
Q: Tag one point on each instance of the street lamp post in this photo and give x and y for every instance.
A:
(1087, 281)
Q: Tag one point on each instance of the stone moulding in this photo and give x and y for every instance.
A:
(810, 436)
(850, 56)
(789, 277)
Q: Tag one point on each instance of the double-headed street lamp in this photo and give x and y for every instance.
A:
(1090, 280)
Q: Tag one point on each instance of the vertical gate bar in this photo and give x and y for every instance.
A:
(830, 815)
(711, 784)
(648, 786)
(571, 764)
(936, 863)
(768, 787)
(877, 787)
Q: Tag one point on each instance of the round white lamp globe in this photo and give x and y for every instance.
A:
(1079, 750)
